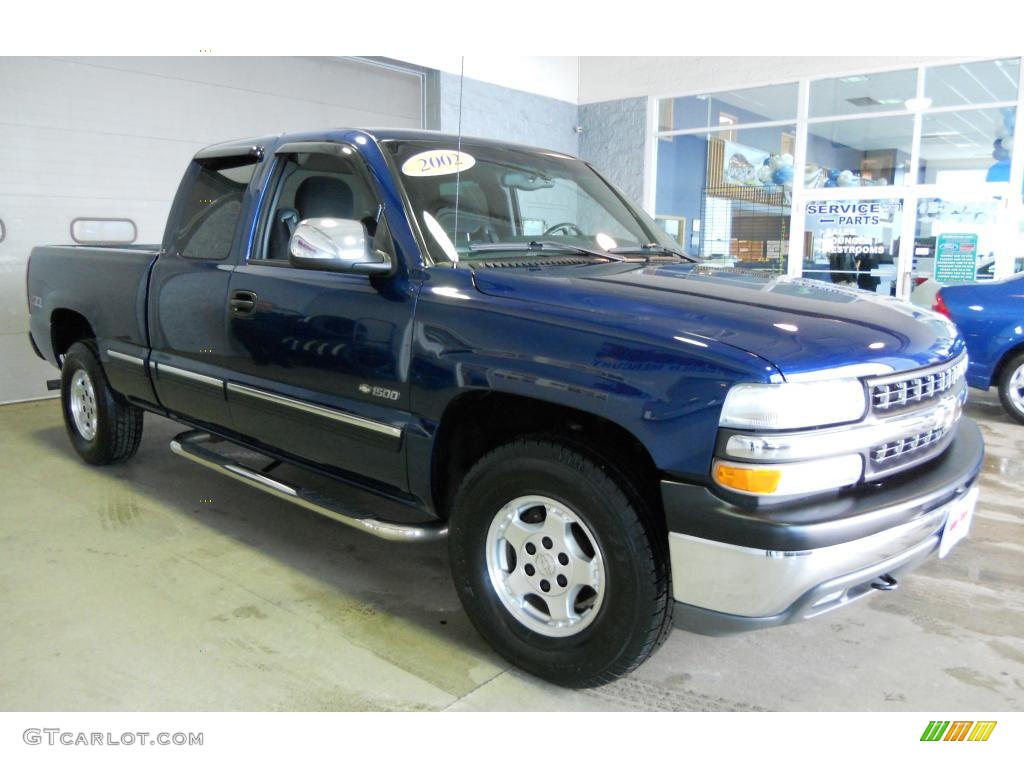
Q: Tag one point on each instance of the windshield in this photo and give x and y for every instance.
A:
(487, 200)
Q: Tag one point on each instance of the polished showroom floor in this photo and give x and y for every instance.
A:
(159, 585)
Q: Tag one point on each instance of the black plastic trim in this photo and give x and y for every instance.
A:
(809, 524)
(35, 347)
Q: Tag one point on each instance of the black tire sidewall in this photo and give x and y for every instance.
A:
(1012, 365)
(82, 356)
(630, 592)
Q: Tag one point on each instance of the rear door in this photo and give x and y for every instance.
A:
(319, 365)
(188, 307)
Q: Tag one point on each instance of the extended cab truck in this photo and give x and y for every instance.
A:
(609, 434)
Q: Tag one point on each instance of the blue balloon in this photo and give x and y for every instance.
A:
(999, 153)
(831, 183)
(999, 172)
(783, 175)
(833, 175)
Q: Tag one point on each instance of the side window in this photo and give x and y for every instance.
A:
(311, 186)
(209, 207)
(104, 231)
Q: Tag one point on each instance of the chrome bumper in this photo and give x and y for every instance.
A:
(725, 586)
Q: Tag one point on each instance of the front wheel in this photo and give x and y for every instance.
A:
(1011, 387)
(104, 427)
(558, 564)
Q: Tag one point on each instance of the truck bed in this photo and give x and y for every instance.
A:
(106, 284)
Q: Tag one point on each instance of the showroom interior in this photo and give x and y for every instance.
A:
(171, 588)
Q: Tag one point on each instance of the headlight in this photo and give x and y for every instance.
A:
(793, 405)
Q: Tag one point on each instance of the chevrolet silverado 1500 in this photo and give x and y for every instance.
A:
(614, 438)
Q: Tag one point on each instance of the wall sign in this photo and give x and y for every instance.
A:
(848, 213)
(956, 258)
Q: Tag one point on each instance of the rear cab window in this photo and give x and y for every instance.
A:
(209, 206)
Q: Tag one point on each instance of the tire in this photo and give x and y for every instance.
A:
(104, 427)
(599, 538)
(1011, 387)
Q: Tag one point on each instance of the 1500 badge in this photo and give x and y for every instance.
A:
(382, 392)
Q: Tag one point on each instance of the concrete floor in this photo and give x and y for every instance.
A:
(159, 585)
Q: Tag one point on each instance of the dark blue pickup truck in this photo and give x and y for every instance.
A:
(614, 438)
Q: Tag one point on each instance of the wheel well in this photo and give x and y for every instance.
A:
(67, 327)
(998, 372)
(475, 423)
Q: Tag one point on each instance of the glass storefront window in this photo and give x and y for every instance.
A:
(853, 242)
(969, 140)
(956, 241)
(726, 195)
(977, 82)
(726, 191)
(859, 153)
(748, 105)
(862, 94)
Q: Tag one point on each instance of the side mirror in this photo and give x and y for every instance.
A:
(336, 245)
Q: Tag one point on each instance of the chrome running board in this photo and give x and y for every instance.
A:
(190, 445)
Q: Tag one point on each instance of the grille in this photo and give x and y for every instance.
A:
(883, 453)
(917, 386)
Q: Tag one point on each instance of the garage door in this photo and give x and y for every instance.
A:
(102, 142)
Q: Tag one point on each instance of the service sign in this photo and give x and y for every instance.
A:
(438, 162)
(852, 213)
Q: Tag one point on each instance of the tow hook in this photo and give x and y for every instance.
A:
(885, 583)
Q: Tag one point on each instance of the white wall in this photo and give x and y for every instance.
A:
(110, 137)
(603, 78)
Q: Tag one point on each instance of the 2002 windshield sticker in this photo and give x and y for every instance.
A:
(438, 162)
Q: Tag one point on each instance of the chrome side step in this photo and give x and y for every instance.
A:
(190, 445)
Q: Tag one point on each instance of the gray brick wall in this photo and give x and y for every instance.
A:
(613, 142)
(495, 112)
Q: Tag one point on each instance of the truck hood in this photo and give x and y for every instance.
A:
(799, 326)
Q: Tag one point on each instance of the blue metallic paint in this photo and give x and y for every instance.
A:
(990, 316)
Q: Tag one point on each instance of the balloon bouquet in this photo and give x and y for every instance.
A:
(777, 171)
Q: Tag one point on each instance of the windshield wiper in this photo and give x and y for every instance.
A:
(546, 245)
(649, 248)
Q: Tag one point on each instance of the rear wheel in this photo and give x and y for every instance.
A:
(1011, 387)
(557, 563)
(104, 427)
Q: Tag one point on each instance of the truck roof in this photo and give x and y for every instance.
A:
(237, 146)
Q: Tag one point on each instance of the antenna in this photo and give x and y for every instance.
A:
(458, 156)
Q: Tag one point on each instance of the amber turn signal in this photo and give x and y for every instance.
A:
(748, 479)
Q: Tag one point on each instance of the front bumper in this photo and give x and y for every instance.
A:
(736, 568)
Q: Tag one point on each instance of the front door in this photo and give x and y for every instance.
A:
(319, 365)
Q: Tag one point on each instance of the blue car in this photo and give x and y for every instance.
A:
(991, 318)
